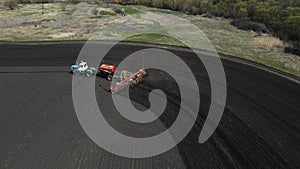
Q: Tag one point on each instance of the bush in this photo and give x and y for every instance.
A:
(11, 4)
(246, 24)
(106, 13)
(94, 11)
(74, 1)
(99, 3)
(63, 6)
(119, 11)
(126, 10)
(37, 1)
(25, 1)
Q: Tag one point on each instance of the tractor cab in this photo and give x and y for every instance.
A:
(82, 66)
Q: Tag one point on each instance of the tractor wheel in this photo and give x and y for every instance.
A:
(76, 73)
(88, 74)
(109, 77)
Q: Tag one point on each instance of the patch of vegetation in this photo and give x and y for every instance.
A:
(128, 10)
(155, 38)
(162, 11)
(29, 13)
(107, 13)
(73, 1)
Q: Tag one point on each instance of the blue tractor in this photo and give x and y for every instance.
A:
(83, 69)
